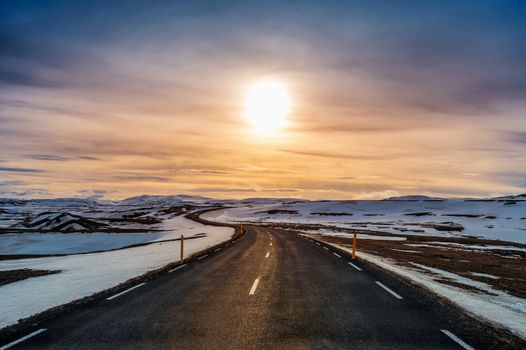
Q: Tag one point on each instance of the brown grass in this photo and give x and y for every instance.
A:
(18, 275)
(508, 266)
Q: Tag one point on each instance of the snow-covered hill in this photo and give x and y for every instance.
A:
(53, 221)
(167, 201)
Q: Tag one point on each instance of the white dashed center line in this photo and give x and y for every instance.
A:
(126, 291)
(397, 296)
(356, 267)
(457, 340)
(177, 268)
(254, 286)
(325, 248)
(18, 341)
(338, 255)
(218, 249)
(270, 243)
(202, 257)
(317, 243)
(266, 256)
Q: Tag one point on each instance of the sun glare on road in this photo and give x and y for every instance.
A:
(267, 106)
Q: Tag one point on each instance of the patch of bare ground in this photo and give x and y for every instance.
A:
(331, 214)
(505, 269)
(22, 274)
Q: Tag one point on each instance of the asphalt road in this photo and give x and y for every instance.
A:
(271, 290)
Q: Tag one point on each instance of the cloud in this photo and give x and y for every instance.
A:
(23, 79)
(29, 193)
(48, 157)
(280, 190)
(12, 183)
(89, 158)
(323, 154)
(209, 172)
(233, 190)
(20, 170)
(221, 189)
(31, 63)
(142, 178)
(94, 193)
(137, 92)
(516, 136)
(52, 157)
(322, 126)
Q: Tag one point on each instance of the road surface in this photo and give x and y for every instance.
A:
(270, 290)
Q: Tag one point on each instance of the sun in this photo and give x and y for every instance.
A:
(267, 105)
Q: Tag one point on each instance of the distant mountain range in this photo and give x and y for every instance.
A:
(177, 200)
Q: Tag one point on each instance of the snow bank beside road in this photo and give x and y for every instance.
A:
(497, 307)
(84, 275)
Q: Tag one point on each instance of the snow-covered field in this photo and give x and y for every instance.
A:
(86, 274)
(75, 242)
(502, 218)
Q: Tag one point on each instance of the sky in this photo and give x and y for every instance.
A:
(111, 99)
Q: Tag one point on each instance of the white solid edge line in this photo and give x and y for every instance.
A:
(18, 341)
(397, 296)
(202, 257)
(218, 249)
(254, 286)
(457, 339)
(266, 256)
(126, 291)
(325, 248)
(356, 267)
(177, 268)
(338, 255)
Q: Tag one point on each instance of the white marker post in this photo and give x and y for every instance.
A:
(182, 248)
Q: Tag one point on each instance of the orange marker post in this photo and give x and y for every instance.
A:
(182, 248)
(354, 247)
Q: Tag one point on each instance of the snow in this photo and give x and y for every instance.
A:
(498, 307)
(489, 219)
(167, 201)
(83, 275)
(71, 243)
(452, 245)
(407, 251)
(484, 275)
(413, 198)
(61, 202)
(326, 232)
